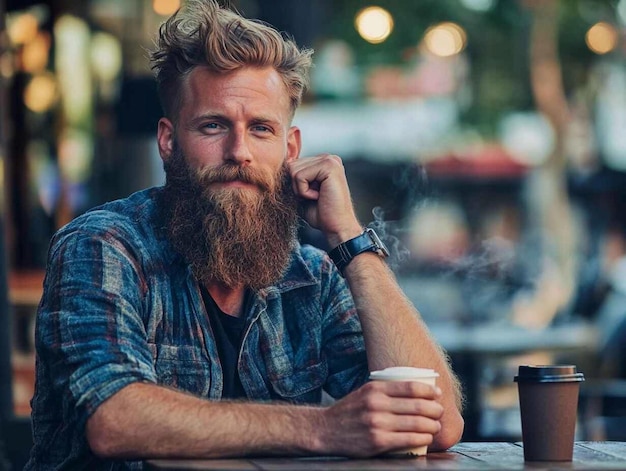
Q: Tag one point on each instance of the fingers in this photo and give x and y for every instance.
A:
(384, 442)
(393, 422)
(405, 389)
(415, 407)
(306, 185)
(309, 174)
(410, 399)
(381, 417)
(321, 182)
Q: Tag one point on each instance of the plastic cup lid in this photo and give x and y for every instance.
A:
(548, 374)
(403, 372)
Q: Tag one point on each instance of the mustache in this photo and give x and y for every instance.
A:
(231, 172)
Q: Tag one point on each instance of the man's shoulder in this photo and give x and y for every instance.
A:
(140, 203)
(133, 216)
(137, 207)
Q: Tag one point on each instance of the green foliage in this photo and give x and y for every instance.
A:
(497, 49)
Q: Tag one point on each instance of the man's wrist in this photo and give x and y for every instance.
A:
(344, 235)
(310, 429)
(366, 242)
(319, 436)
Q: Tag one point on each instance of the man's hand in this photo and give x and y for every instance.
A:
(321, 183)
(393, 331)
(382, 417)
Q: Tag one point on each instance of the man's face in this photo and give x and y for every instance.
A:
(228, 200)
(237, 119)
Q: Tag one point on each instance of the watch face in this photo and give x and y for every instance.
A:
(380, 246)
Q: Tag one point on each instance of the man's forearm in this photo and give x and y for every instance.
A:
(395, 335)
(145, 420)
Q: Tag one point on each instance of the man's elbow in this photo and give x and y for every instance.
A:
(450, 433)
(102, 437)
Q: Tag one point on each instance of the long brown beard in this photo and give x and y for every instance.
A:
(233, 236)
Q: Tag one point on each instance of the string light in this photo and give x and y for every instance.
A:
(22, 28)
(445, 39)
(374, 24)
(106, 56)
(601, 38)
(41, 93)
(36, 52)
(165, 7)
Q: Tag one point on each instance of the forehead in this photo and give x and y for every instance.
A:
(248, 88)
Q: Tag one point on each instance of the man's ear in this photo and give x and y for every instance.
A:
(165, 138)
(294, 143)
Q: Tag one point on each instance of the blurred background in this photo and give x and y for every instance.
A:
(486, 139)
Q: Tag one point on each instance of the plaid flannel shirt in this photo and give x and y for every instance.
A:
(121, 306)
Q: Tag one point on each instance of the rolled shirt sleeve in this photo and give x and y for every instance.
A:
(89, 324)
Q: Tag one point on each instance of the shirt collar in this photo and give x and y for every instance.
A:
(297, 275)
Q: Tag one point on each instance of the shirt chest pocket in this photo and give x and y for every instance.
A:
(182, 367)
(302, 386)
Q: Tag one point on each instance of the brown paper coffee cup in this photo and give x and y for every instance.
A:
(548, 396)
(407, 373)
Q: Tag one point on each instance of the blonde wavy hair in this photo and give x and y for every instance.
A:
(202, 33)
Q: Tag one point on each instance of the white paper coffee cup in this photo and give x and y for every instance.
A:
(407, 373)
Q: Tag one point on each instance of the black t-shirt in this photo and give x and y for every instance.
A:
(228, 332)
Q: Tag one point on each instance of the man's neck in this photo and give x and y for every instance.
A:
(230, 300)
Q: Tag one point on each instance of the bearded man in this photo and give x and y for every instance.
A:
(207, 226)
(187, 320)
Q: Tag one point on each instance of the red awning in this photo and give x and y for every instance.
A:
(487, 161)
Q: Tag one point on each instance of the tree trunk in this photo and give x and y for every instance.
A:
(548, 197)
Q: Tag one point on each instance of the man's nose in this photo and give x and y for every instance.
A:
(238, 148)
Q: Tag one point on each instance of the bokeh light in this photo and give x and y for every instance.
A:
(601, 38)
(41, 93)
(36, 53)
(72, 65)
(7, 66)
(479, 5)
(165, 7)
(106, 56)
(22, 28)
(374, 24)
(445, 39)
(75, 155)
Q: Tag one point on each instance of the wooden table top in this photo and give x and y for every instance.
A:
(483, 455)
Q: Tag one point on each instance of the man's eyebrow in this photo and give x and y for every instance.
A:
(208, 117)
(264, 120)
(220, 117)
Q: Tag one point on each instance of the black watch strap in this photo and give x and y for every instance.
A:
(366, 242)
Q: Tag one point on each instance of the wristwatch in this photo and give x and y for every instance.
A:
(368, 241)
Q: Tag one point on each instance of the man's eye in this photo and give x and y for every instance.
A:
(261, 128)
(213, 127)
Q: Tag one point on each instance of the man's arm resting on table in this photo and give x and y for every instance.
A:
(149, 421)
(146, 420)
(395, 335)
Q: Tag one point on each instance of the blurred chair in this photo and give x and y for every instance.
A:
(6, 398)
(4, 464)
(15, 432)
(603, 410)
(603, 394)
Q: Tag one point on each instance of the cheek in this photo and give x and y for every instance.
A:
(269, 153)
(204, 154)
